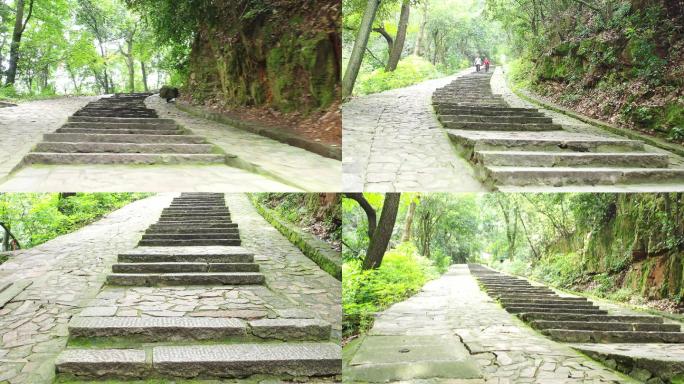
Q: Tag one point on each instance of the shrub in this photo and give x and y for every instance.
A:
(411, 70)
(402, 273)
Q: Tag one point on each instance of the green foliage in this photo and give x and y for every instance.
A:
(402, 273)
(410, 70)
(319, 213)
(35, 218)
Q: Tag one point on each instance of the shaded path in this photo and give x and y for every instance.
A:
(302, 168)
(393, 141)
(505, 350)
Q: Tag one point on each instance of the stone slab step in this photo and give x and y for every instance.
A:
(585, 336)
(205, 361)
(560, 307)
(123, 158)
(122, 138)
(181, 226)
(521, 309)
(215, 209)
(129, 125)
(119, 120)
(186, 222)
(175, 243)
(496, 119)
(604, 326)
(551, 141)
(559, 176)
(192, 229)
(525, 127)
(167, 279)
(158, 328)
(552, 300)
(170, 257)
(97, 147)
(571, 159)
(488, 112)
(95, 131)
(531, 316)
(183, 267)
(190, 236)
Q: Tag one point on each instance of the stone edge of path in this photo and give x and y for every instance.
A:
(272, 133)
(317, 250)
(654, 141)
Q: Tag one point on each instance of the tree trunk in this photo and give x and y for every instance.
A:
(19, 26)
(421, 33)
(383, 232)
(144, 76)
(406, 236)
(359, 48)
(388, 38)
(105, 80)
(398, 47)
(368, 209)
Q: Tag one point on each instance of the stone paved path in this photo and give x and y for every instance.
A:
(65, 273)
(393, 142)
(33, 327)
(304, 169)
(23, 126)
(505, 349)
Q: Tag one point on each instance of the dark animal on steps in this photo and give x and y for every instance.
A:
(168, 93)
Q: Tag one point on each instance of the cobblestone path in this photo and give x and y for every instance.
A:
(23, 126)
(393, 142)
(295, 288)
(65, 273)
(304, 169)
(503, 348)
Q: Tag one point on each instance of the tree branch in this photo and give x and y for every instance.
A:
(370, 212)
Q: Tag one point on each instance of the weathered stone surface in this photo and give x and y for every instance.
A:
(158, 328)
(241, 360)
(291, 329)
(215, 278)
(100, 363)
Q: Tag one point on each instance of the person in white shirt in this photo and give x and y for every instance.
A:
(478, 63)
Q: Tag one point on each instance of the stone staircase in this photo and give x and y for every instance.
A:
(121, 130)
(571, 319)
(127, 340)
(521, 147)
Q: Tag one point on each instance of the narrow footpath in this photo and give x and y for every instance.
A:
(204, 269)
(394, 142)
(453, 332)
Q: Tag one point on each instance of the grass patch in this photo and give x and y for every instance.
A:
(410, 70)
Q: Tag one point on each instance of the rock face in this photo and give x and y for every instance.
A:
(287, 57)
(168, 93)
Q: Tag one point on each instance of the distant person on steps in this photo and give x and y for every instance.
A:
(478, 64)
(486, 64)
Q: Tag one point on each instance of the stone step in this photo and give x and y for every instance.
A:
(180, 243)
(204, 361)
(552, 300)
(162, 329)
(531, 316)
(552, 144)
(208, 257)
(217, 208)
(192, 229)
(204, 222)
(129, 125)
(80, 119)
(186, 267)
(560, 176)
(195, 214)
(605, 326)
(95, 131)
(584, 336)
(501, 126)
(455, 106)
(116, 113)
(122, 158)
(95, 147)
(560, 306)
(497, 119)
(181, 227)
(529, 308)
(125, 138)
(571, 159)
(168, 279)
(500, 291)
(159, 236)
(487, 113)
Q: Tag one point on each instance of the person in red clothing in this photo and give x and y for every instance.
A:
(486, 64)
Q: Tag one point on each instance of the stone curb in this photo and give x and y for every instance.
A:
(317, 250)
(654, 141)
(272, 133)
